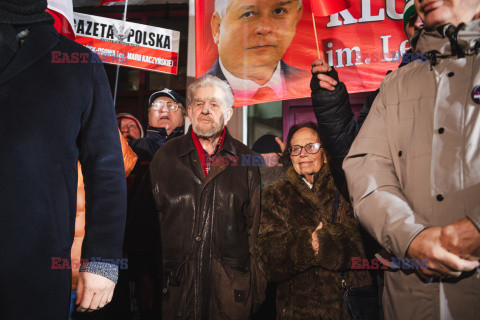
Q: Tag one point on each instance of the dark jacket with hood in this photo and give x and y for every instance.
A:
(54, 113)
(195, 234)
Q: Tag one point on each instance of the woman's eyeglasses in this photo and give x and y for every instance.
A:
(311, 148)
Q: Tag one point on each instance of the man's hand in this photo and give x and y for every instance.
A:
(315, 244)
(319, 68)
(281, 144)
(93, 291)
(462, 238)
(427, 245)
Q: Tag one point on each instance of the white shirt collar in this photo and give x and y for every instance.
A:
(246, 88)
(307, 183)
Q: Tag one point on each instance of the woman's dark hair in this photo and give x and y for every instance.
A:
(285, 158)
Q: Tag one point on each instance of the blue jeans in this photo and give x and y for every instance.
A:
(73, 297)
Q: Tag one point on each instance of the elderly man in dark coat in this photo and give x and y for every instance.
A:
(198, 216)
(56, 108)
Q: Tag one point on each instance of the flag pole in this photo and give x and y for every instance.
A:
(118, 67)
(316, 37)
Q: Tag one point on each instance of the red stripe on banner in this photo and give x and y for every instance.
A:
(199, 35)
(130, 56)
(62, 25)
(104, 2)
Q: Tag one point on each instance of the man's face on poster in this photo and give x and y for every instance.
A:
(253, 35)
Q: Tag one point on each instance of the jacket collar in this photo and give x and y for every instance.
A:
(157, 133)
(42, 39)
(467, 38)
(188, 146)
(323, 184)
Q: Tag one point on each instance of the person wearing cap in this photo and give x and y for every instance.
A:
(166, 120)
(54, 114)
(269, 148)
(412, 23)
(129, 126)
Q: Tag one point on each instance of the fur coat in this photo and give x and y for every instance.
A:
(309, 285)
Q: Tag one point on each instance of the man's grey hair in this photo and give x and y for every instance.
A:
(222, 5)
(209, 80)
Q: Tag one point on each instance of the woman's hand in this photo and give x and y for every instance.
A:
(315, 244)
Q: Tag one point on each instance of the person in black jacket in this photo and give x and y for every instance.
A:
(57, 108)
(331, 103)
(166, 119)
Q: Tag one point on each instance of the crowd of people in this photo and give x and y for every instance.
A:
(374, 217)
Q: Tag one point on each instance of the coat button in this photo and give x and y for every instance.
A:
(440, 197)
(198, 239)
(400, 153)
(451, 74)
(441, 130)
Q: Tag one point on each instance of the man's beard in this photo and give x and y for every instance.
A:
(211, 133)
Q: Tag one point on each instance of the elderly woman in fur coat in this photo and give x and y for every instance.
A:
(298, 245)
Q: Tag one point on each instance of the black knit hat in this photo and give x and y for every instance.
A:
(23, 12)
(15, 15)
(266, 144)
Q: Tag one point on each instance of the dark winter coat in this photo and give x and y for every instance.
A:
(309, 284)
(145, 148)
(54, 113)
(336, 121)
(200, 230)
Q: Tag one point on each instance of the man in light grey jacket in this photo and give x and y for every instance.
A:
(414, 169)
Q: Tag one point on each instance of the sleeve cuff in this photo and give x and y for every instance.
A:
(475, 218)
(415, 232)
(104, 269)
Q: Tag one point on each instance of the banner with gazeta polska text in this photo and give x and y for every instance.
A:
(129, 44)
(362, 43)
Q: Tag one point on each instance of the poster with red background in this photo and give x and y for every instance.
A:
(362, 43)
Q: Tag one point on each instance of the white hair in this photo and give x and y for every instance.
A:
(209, 80)
(222, 5)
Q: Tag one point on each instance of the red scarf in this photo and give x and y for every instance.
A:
(202, 153)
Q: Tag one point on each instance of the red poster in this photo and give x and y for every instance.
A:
(267, 46)
(129, 44)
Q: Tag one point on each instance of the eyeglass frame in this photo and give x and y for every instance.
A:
(304, 147)
(163, 103)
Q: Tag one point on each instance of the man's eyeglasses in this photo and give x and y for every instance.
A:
(311, 148)
(128, 127)
(158, 105)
